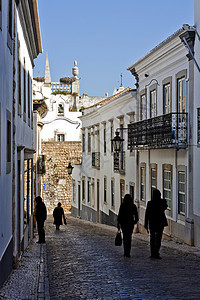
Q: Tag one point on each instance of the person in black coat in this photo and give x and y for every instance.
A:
(41, 215)
(127, 218)
(155, 221)
(58, 213)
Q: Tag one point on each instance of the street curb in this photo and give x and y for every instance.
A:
(43, 282)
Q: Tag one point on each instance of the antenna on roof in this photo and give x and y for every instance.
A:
(121, 79)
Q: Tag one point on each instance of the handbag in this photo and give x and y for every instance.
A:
(118, 238)
(65, 222)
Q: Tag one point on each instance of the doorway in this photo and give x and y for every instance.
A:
(98, 218)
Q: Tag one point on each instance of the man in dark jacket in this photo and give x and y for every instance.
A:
(127, 218)
(41, 215)
(155, 221)
(58, 213)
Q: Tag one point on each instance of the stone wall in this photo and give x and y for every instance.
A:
(56, 183)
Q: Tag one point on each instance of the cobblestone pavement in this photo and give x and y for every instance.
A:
(83, 263)
(29, 280)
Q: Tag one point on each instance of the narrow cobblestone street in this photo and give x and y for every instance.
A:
(83, 263)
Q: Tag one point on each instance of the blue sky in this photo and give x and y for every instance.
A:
(105, 37)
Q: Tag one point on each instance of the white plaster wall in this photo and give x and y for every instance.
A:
(69, 124)
(196, 206)
(6, 98)
(111, 110)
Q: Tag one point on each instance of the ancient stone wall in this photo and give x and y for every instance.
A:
(56, 183)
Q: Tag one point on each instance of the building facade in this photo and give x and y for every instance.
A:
(196, 125)
(20, 44)
(100, 182)
(163, 134)
(60, 133)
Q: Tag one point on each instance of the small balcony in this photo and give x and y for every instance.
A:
(119, 162)
(166, 131)
(96, 160)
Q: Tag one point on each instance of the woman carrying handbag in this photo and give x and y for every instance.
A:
(127, 218)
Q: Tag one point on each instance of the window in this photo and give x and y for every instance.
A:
(0, 14)
(112, 193)
(104, 139)
(89, 142)
(83, 190)
(60, 137)
(167, 185)
(105, 189)
(10, 16)
(83, 142)
(88, 184)
(131, 191)
(24, 90)
(60, 109)
(122, 190)
(111, 136)
(181, 192)
(93, 194)
(19, 81)
(198, 126)
(153, 178)
(29, 100)
(28, 190)
(143, 107)
(166, 98)
(8, 149)
(181, 95)
(74, 191)
(142, 182)
(153, 104)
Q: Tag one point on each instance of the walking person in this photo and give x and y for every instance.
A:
(155, 221)
(58, 213)
(41, 215)
(127, 218)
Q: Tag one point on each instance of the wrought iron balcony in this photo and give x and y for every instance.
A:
(119, 162)
(96, 160)
(166, 131)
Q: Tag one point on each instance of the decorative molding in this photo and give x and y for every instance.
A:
(63, 119)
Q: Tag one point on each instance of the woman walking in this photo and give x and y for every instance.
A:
(58, 213)
(127, 218)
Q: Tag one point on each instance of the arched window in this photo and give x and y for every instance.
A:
(60, 109)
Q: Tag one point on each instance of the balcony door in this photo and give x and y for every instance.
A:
(167, 98)
(181, 95)
(153, 104)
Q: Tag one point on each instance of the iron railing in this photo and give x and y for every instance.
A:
(119, 162)
(96, 160)
(166, 131)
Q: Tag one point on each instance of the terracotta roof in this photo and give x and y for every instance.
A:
(102, 102)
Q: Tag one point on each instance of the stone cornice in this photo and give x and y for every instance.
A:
(30, 27)
(190, 38)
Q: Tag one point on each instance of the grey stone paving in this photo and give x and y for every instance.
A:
(83, 263)
(29, 280)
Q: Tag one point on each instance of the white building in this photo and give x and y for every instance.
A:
(164, 132)
(20, 44)
(196, 126)
(64, 105)
(103, 178)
